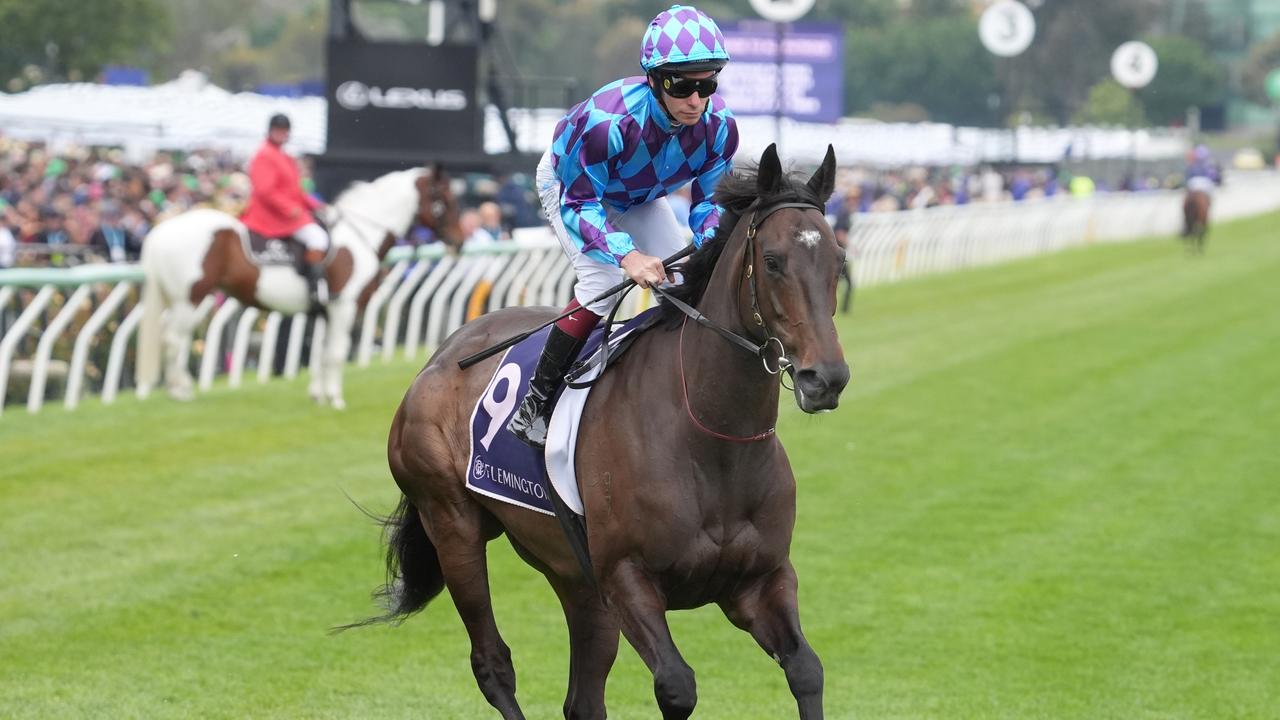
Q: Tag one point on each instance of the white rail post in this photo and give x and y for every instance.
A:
(267, 353)
(293, 353)
(9, 344)
(44, 349)
(391, 326)
(115, 361)
(240, 345)
(364, 351)
(498, 294)
(417, 306)
(80, 354)
(462, 295)
(436, 314)
(213, 342)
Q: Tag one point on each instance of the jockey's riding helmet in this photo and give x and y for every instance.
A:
(683, 39)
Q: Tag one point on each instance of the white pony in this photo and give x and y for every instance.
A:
(190, 255)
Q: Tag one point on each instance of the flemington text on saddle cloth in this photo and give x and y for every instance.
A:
(502, 467)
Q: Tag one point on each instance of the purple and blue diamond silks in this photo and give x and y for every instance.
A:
(619, 149)
(681, 34)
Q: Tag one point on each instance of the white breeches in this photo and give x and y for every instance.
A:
(313, 236)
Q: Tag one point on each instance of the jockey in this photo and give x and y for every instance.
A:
(278, 207)
(1202, 173)
(604, 181)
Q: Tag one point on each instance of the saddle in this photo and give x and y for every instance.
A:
(286, 251)
(505, 468)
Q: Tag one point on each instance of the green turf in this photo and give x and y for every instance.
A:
(1052, 491)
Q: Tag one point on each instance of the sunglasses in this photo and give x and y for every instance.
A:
(678, 86)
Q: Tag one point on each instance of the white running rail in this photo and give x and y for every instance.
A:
(428, 294)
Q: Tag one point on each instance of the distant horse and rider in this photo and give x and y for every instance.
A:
(191, 255)
(1202, 176)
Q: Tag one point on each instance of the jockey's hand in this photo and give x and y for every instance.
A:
(645, 270)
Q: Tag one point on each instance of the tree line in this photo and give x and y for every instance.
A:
(914, 60)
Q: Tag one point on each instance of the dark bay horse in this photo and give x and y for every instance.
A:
(1195, 214)
(689, 495)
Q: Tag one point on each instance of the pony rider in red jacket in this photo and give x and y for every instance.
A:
(278, 207)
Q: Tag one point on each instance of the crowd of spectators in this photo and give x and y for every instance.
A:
(90, 204)
(865, 190)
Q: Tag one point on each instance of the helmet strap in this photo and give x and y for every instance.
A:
(655, 87)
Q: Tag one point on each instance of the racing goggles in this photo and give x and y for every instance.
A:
(679, 86)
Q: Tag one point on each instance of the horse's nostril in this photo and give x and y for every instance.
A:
(811, 382)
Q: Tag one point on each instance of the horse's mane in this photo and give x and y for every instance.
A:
(390, 198)
(734, 195)
(359, 188)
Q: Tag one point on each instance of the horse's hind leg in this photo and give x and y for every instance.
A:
(593, 646)
(770, 612)
(179, 324)
(460, 531)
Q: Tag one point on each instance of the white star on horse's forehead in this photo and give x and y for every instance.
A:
(808, 238)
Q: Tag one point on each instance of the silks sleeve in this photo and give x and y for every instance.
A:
(704, 214)
(582, 204)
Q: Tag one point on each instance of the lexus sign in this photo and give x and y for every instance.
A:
(355, 95)
(402, 98)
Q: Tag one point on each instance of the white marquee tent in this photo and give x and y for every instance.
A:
(190, 113)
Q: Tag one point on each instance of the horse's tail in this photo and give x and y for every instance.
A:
(414, 576)
(150, 332)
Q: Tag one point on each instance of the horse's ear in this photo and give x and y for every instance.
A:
(769, 174)
(823, 182)
(437, 172)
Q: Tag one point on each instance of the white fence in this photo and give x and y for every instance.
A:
(67, 333)
(887, 247)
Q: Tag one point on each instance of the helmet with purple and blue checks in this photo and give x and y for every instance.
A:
(683, 38)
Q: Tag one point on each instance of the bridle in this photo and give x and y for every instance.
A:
(761, 350)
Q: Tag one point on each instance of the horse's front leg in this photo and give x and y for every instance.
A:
(342, 315)
(769, 611)
(642, 609)
(593, 647)
(315, 388)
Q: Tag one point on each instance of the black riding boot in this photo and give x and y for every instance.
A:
(317, 288)
(534, 414)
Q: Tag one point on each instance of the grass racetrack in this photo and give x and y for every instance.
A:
(1052, 490)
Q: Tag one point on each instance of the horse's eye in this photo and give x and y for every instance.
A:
(771, 264)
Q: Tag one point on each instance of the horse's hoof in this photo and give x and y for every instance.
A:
(338, 404)
(182, 394)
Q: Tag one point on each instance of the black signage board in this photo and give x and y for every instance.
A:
(408, 98)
